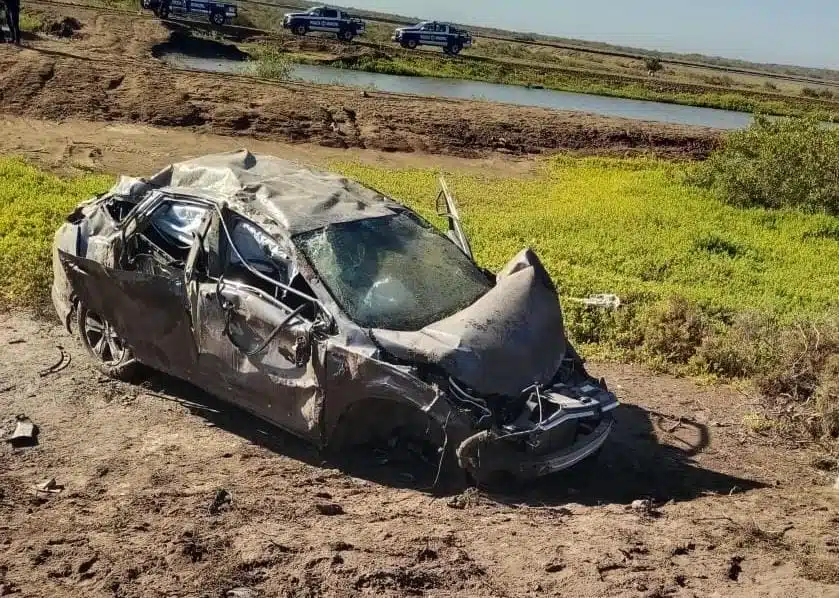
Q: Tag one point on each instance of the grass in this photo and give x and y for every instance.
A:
(32, 206)
(31, 22)
(634, 228)
(630, 227)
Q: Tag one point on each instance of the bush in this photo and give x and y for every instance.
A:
(741, 350)
(271, 63)
(784, 163)
(653, 64)
(672, 332)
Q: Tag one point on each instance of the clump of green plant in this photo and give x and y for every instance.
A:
(653, 64)
(804, 371)
(271, 62)
(32, 206)
(783, 163)
(31, 22)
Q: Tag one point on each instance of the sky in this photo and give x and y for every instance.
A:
(800, 32)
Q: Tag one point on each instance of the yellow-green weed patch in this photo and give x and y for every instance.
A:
(32, 206)
(633, 228)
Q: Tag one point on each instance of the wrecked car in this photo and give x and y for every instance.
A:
(333, 312)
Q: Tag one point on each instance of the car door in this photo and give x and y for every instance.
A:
(447, 207)
(254, 339)
(330, 20)
(316, 22)
(426, 35)
(144, 297)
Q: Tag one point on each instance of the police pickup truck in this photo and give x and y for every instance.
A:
(432, 33)
(218, 13)
(323, 18)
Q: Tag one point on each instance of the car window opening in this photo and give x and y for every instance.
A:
(246, 264)
(166, 238)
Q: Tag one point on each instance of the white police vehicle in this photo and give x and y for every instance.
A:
(432, 33)
(323, 18)
(218, 13)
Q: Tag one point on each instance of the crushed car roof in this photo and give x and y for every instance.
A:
(279, 193)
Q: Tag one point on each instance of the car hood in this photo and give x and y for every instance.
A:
(507, 340)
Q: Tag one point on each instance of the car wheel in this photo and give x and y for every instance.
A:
(346, 35)
(146, 4)
(112, 357)
(163, 11)
(455, 49)
(411, 44)
(217, 18)
(299, 30)
(408, 440)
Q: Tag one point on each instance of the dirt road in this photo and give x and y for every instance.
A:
(106, 73)
(140, 467)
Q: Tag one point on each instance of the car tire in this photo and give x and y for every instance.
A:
(299, 29)
(409, 427)
(411, 44)
(454, 49)
(346, 35)
(112, 357)
(146, 4)
(163, 11)
(217, 18)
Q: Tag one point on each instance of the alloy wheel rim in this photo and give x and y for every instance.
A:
(102, 339)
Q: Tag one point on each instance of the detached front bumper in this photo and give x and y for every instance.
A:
(534, 447)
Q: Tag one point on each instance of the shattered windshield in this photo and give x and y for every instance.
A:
(393, 272)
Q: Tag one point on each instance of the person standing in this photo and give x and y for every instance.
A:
(13, 19)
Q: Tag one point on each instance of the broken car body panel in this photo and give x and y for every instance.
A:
(300, 295)
(508, 340)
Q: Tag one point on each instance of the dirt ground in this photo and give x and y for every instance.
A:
(105, 72)
(140, 466)
(74, 146)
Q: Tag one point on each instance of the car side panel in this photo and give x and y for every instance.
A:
(268, 384)
(149, 312)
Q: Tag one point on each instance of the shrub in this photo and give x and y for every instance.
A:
(271, 63)
(653, 64)
(784, 163)
(673, 330)
(809, 92)
(741, 350)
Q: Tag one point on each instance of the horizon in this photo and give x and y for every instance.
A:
(777, 33)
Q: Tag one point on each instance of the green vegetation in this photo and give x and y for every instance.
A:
(32, 206)
(633, 228)
(269, 62)
(783, 163)
(31, 22)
